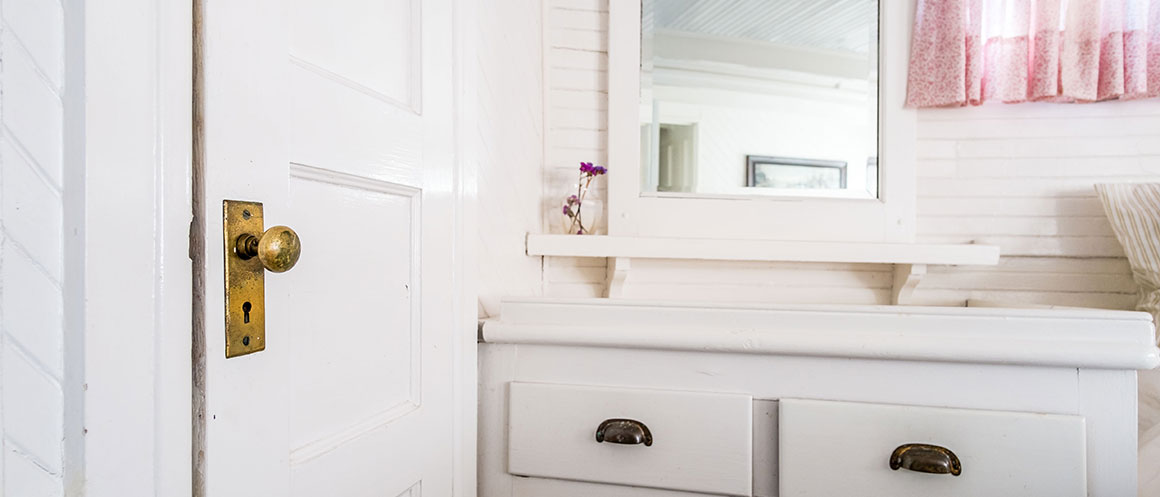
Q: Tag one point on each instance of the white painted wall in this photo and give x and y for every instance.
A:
(32, 251)
(94, 159)
(1016, 176)
(510, 142)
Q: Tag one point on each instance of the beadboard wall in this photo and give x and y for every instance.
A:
(31, 248)
(1017, 176)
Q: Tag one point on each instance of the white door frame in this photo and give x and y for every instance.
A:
(128, 147)
(466, 304)
(130, 141)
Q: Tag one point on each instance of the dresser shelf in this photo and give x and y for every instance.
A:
(909, 259)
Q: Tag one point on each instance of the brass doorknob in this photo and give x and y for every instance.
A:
(278, 248)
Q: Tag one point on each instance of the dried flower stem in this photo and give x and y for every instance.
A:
(581, 192)
(574, 204)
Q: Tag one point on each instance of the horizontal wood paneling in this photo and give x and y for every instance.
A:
(564, 58)
(1016, 176)
(576, 111)
(582, 5)
(1021, 176)
(562, 17)
(1015, 226)
(1002, 207)
(586, 39)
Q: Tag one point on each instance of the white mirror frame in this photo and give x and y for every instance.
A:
(888, 218)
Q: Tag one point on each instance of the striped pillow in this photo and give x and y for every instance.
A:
(1134, 211)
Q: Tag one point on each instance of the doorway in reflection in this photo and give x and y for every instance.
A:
(725, 81)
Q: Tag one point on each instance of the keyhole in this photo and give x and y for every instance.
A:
(246, 309)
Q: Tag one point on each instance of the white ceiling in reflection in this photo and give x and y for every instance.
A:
(840, 25)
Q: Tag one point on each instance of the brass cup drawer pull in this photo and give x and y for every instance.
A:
(925, 458)
(623, 431)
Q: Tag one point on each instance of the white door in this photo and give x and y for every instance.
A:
(339, 117)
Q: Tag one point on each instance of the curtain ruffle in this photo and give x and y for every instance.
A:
(966, 52)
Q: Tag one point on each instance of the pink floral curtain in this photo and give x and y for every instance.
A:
(971, 51)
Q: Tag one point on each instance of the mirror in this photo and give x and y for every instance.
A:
(759, 97)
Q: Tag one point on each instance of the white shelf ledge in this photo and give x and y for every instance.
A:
(909, 259)
(760, 250)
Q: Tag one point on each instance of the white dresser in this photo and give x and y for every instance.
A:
(603, 397)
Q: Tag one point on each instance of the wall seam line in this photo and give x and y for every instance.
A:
(36, 66)
(30, 161)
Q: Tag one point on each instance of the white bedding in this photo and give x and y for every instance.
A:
(1133, 210)
(1149, 462)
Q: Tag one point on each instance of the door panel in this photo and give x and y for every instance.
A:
(339, 117)
(369, 45)
(376, 463)
(339, 128)
(352, 373)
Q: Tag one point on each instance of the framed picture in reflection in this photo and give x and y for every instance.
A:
(795, 173)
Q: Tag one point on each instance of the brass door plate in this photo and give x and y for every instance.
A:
(245, 281)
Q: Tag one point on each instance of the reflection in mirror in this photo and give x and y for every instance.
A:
(760, 97)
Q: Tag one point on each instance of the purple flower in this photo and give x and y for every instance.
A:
(571, 207)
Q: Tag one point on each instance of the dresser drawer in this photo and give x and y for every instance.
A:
(842, 448)
(699, 442)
